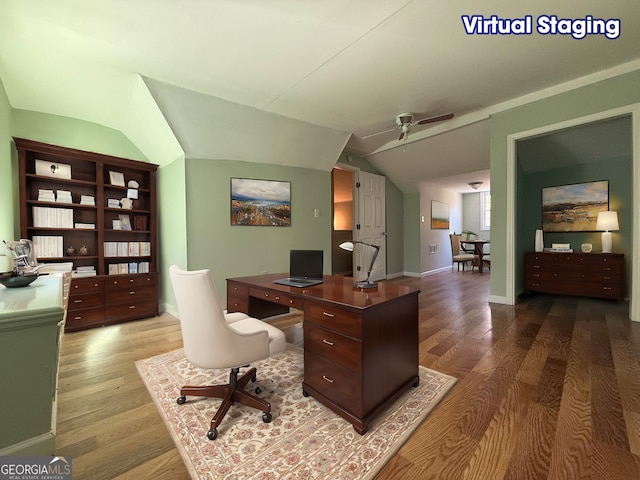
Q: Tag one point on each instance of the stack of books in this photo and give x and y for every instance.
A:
(64, 196)
(45, 195)
(113, 203)
(559, 247)
(87, 200)
(84, 271)
(89, 226)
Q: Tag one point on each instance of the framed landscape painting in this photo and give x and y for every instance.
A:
(260, 202)
(439, 215)
(575, 207)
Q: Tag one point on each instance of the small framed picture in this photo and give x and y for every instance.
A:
(116, 178)
(117, 225)
(125, 221)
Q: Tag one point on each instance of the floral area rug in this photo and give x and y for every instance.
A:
(305, 440)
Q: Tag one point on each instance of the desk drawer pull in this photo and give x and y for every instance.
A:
(324, 340)
(131, 307)
(327, 379)
(328, 314)
(132, 293)
(277, 297)
(77, 301)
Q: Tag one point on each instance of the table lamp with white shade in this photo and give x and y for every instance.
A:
(607, 221)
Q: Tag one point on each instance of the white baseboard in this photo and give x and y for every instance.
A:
(498, 299)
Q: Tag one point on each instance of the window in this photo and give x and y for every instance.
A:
(485, 214)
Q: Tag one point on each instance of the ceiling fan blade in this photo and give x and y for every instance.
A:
(379, 133)
(439, 118)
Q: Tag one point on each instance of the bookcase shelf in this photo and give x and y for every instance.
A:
(99, 295)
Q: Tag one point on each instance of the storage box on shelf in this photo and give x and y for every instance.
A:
(73, 204)
(599, 275)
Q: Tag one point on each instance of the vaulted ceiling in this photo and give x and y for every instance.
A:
(297, 82)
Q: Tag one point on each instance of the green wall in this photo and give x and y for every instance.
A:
(411, 244)
(588, 100)
(8, 196)
(172, 227)
(234, 251)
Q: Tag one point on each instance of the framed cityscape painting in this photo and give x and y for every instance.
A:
(260, 202)
(575, 207)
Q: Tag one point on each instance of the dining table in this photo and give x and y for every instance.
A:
(478, 249)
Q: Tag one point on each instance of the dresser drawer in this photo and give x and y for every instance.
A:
(340, 349)
(131, 281)
(133, 309)
(85, 300)
(614, 291)
(83, 318)
(84, 285)
(333, 318)
(606, 260)
(131, 295)
(275, 297)
(336, 383)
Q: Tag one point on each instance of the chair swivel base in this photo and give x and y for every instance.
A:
(230, 393)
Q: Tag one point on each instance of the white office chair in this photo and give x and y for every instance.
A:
(213, 341)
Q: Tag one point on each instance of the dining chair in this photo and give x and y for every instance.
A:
(458, 256)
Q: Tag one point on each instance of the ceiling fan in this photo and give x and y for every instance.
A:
(404, 122)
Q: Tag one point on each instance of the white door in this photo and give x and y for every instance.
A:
(370, 227)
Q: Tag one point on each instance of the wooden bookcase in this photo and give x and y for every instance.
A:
(125, 284)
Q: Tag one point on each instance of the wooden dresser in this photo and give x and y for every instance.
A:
(599, 275)
(360, 347)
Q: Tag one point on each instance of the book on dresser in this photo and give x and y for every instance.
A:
(68, 207)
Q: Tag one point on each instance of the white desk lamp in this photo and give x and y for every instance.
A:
(349, 247)
(606, 222)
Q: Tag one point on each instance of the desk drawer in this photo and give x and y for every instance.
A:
(237, 303)
(275, 297)
(334, 318)
(340, 349)
(335, 382)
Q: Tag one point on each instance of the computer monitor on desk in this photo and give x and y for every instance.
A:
(305, 268)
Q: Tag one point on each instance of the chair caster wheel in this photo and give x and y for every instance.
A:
(258, 390)
(304, 393)
(254, 378)
(212, 434)
(266, 417)
(181, 400)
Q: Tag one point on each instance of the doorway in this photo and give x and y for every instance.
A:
(342, 185)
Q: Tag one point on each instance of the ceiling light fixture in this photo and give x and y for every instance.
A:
(475, 185)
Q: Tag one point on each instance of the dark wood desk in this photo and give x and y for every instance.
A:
(360, 347)
(478, 250)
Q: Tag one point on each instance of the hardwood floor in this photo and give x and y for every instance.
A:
(548, 389)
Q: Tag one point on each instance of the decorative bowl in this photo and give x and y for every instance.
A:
(11, 280)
